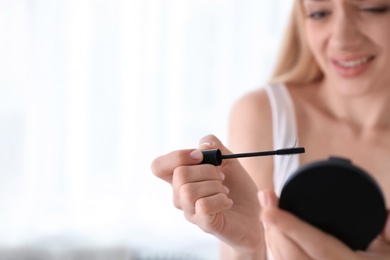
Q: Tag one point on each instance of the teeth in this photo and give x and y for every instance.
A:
(353, 63)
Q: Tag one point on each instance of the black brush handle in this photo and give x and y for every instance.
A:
(213, 157)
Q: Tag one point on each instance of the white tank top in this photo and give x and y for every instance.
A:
(285, 134)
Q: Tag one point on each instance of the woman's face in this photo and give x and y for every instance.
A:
(350, 39)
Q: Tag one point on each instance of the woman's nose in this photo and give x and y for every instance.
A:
(346, 34)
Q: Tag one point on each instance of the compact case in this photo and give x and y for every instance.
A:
(339, 198)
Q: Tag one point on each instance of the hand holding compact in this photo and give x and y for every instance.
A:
(339, 198)
(328, 209)
(290, 237)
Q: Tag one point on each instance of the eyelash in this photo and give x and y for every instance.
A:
(317, 15)
(381, 9)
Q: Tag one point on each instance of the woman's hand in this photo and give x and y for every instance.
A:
(220, 200)
(291, 238)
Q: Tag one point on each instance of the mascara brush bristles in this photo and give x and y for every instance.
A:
(290, 151)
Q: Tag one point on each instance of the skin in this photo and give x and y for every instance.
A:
(345, 114)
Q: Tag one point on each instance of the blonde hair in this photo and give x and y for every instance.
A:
(296, 64)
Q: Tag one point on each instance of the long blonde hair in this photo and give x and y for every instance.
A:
(296, 64)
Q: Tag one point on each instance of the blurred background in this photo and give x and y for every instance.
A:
(91, 91)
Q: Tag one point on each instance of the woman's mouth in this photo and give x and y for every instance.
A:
(352, 67)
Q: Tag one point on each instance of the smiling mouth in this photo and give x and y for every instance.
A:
(352, 67)
(353, 63)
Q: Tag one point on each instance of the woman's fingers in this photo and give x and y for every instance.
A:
(300, 236)
(163, 166)
(184, 176)
(209, 212)
(283, 247)
(200, 192)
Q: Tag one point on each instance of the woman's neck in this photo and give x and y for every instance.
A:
(368, 111)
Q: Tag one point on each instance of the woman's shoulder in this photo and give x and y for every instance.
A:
(253, 101)
(250, 129)
(258, 101)
(251, 118)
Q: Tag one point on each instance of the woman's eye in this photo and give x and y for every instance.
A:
(318, 15)
(380, 9)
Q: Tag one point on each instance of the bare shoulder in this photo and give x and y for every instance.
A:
(253, 102)
(251, 114)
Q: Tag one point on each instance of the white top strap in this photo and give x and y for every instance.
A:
(284, 132)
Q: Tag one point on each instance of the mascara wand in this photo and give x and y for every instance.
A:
(215, 156)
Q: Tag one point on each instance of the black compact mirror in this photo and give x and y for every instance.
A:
(339, 198)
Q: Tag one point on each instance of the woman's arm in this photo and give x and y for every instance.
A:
(250, 129)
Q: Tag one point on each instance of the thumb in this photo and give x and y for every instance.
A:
(213, 150)
(212, 142)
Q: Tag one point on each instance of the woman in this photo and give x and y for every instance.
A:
(330, 94)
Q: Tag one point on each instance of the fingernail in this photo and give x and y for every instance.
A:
(196, 154)
(263, 199)
(265, 225)
(205, 145)
(222, 175)
(226, 189)
(267, 220)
